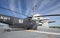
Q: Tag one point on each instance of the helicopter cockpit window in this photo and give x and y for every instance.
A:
(40, 21)
(40, 25)
(38, 18)
(20, 21)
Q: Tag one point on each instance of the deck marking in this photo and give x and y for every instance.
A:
(53, 33)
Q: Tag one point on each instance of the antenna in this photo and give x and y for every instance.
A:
(34, 7)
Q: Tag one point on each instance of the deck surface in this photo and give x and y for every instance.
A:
(29, 34)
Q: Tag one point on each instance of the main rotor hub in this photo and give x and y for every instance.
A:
(36, 15)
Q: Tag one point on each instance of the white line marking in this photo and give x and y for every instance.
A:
(47, 32)
(43, 32)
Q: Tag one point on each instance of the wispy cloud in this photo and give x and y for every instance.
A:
(57, 11)
(12, 5)
(19, 6)
(48, 5)
(29, 4)
(44, 2)
(23, 6)
(53, 8)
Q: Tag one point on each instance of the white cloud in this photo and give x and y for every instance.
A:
(55, 8)
(43, 4)
(12, 5)
(19, 6)
(55, 12)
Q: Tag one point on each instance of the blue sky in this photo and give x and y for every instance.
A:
(25, 7)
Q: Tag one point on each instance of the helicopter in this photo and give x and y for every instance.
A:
(26, 23)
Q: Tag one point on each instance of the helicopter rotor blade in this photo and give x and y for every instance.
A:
(49, 15)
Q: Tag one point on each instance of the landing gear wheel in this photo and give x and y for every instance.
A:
(34, 27)
(8, 30)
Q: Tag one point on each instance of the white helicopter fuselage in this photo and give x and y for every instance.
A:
(41, 21)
